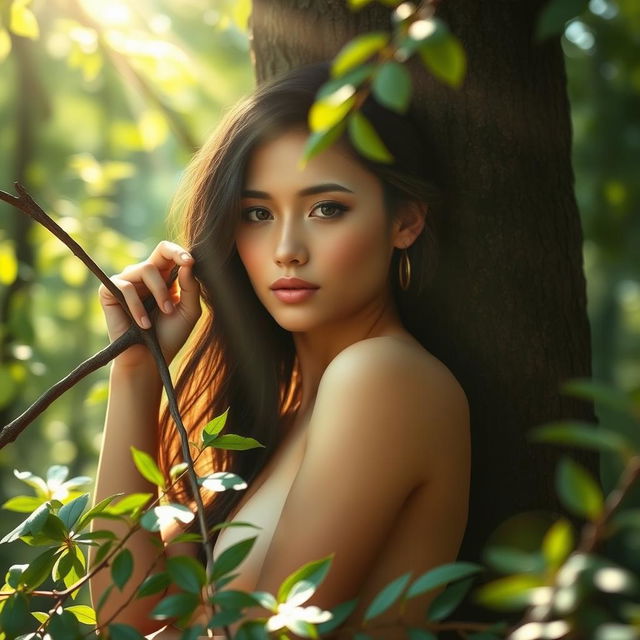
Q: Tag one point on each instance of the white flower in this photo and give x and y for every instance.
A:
(290, 613)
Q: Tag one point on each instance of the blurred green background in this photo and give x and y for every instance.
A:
(103, 104)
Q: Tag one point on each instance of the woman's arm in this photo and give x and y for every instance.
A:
(135, 390)
(132, 419)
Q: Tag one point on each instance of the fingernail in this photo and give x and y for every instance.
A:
(145, 322)
(185, 256)
(168, 307)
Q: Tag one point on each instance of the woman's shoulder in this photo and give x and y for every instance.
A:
(398, 358)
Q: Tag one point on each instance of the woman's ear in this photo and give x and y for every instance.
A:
(409, 223)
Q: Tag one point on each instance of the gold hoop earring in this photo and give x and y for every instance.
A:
(404, 270)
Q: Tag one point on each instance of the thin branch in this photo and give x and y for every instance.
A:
(134, 335)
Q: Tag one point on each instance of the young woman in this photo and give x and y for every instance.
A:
(310, 279)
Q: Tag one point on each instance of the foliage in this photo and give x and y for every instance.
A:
(570, 588)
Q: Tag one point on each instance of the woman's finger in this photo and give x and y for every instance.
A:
(166, 254)
(189, 291)
(133, 301)
(156, 284)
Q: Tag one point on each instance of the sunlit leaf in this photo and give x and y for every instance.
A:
(558, 543)
(159, 517)
(8, 262)
(511, 592)
(84, 613)
(366, 139)
(5, 50)
(313, 572)
(235, 442)
(330, 111)
(578, 490)
(221, 481)
(23, 504)
(442, 54)
(320, 140)
(147, 467)
(357, 51)
(33, 524)
(71, 511)
(22, 21)
(215, 426)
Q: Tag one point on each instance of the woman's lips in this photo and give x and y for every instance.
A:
(293, 295)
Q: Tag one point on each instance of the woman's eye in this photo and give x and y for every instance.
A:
(331, 209)
(258, 211)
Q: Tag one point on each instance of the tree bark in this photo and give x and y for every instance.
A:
(507, 308)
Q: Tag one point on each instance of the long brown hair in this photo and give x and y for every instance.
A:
(240, 358)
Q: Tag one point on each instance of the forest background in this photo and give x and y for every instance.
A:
(101, 141)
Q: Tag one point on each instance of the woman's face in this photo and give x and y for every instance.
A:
(325, 224)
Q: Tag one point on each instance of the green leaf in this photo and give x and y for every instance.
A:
(225, 617)
(509, 560)
(582, 434)
(147, 467)
(187, 573)
(177, 469)
(354, 78)
(31, 525)
(578, 490)
(340, 613)
(366, 140)
(387, 597)
(221, 481)
(511, 592)
(328, 112)
(319, 141)
(555, 15)
(231, 557)
(84, 613)
(358, 4)
(71, 511)
(14, 617)
(443, 574)
(64, 626)
(122, 568)
(233, 599)
(104, 597)
(23, 504)
(358, 51)
(175, 605)
(128, 505)
(119, 631)
(39, 569)
(90, 536)
(14, 574)
(265, 599)
(442, 54)
(446, 601)
(558, 543)
(153, 584)
(313, 572)
(158, 517)
(235, 442)
(96, 510)
(102, 552)
(216, 425)
(193, 633)
(392, 86)
(600, 393)
(252, 630)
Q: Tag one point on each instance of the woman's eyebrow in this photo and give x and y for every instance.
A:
(307, 191)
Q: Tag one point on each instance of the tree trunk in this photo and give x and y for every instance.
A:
(508, 305)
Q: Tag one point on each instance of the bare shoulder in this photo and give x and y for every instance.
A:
(396, 386)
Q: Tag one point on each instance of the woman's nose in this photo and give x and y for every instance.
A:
(291, 246)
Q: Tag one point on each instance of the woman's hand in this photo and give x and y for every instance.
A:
(179, 304)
